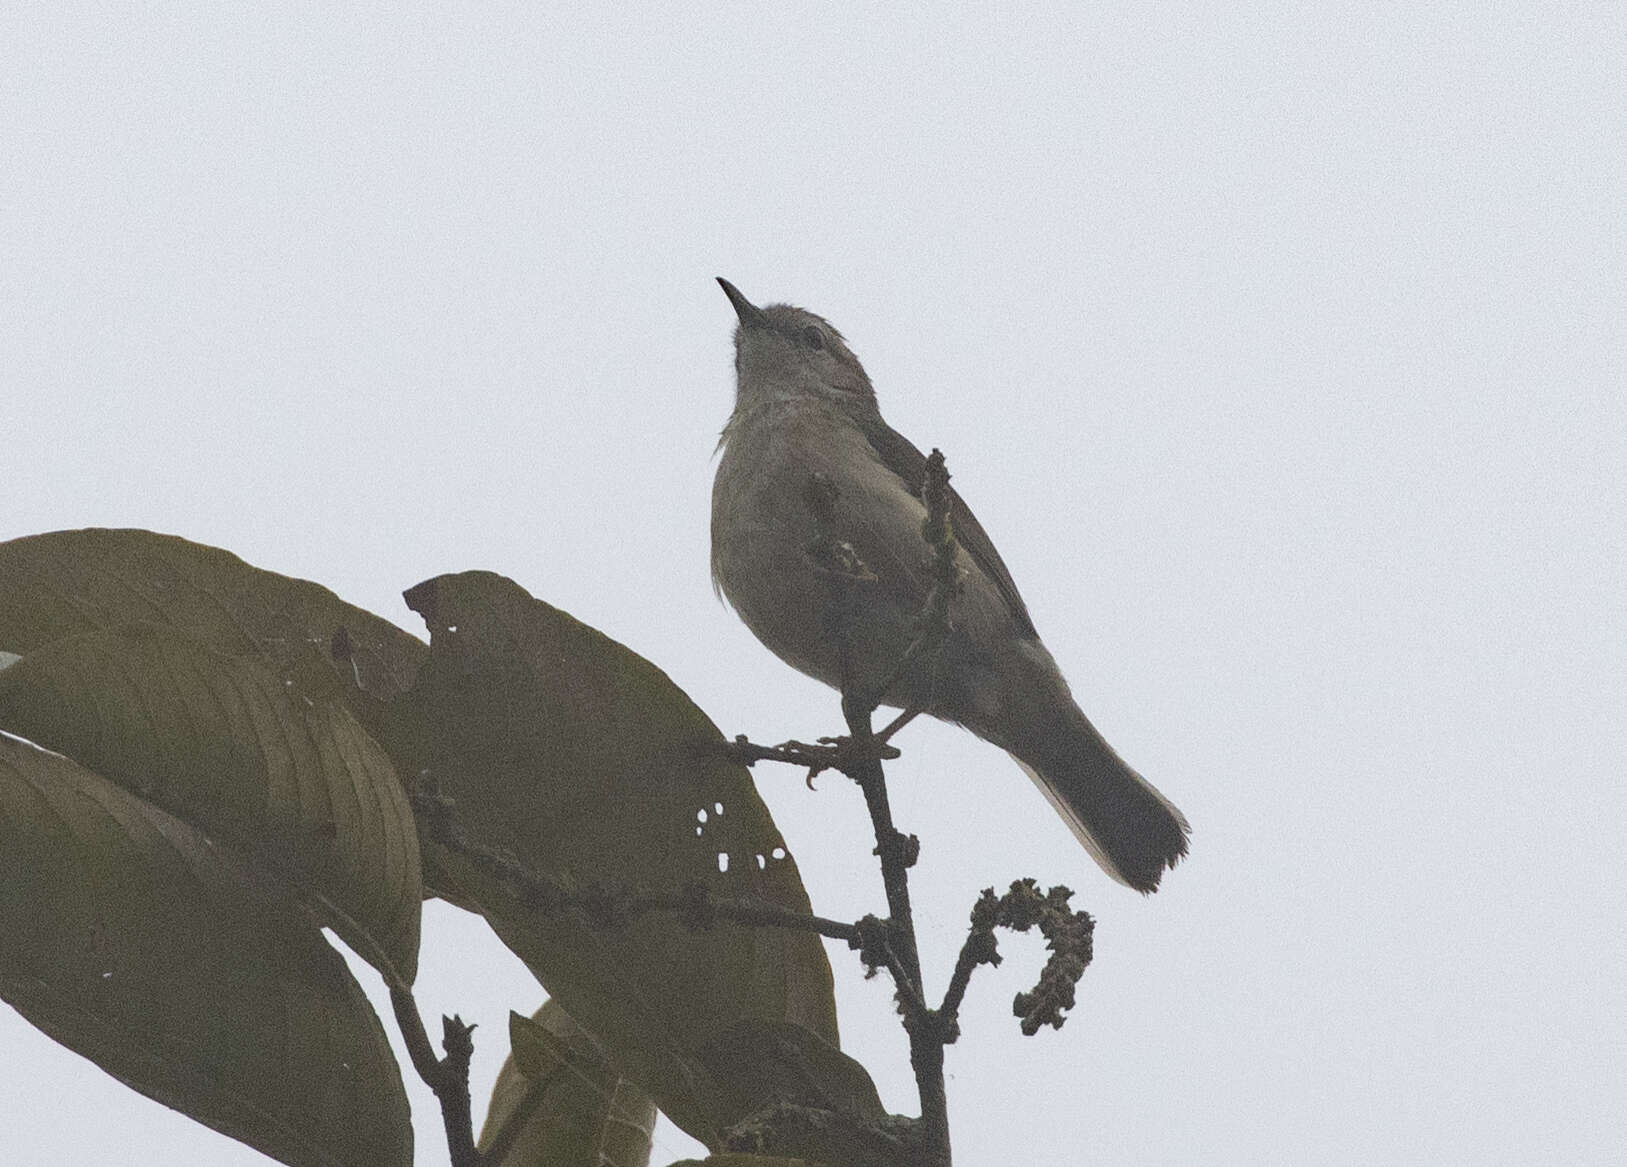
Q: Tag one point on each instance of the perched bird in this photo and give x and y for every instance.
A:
(803, 408)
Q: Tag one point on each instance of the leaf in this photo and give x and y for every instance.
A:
(586, 1115)
(131, 938)
(245, 757)
(69, 582)
(585, 761)
(777, 1060)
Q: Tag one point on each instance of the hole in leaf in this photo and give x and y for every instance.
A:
(723, 861)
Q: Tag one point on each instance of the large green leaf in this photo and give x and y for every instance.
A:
(588, 764)
(68, 582)
(135, 940)
(247, 757)
(582, 1113)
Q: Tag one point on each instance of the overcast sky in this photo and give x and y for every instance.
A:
(1280, 348)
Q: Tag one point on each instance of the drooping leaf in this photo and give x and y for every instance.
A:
(68, 582)
(289, 779)
(133, 939)
(581, 1113)
(585, 761)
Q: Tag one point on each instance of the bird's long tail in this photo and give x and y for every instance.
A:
(1128, 827)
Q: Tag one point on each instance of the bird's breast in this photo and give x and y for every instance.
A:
(764, 532)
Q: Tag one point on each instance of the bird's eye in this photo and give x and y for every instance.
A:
(813, 338)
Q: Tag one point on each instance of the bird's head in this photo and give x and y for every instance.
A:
(782, 353)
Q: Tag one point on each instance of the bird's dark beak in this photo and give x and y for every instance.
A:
(750, 315)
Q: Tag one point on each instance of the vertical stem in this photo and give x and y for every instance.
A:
(456, 1112)
(926, 1047)
(847, 577)
(448, 1076)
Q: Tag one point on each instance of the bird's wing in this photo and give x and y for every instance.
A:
(901, 457)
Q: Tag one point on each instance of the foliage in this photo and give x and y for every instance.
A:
(203, 764)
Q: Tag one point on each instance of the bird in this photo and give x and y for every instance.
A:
(805, 412)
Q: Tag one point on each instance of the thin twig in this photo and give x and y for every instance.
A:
(453, 1094)
(1068, 934)
(897, 724)
(829, 754)
(932, 623)
(448, 1077)
(979, 948)
(897, 853)
(877, 951)
(695, 905)
(848, 577)
(414, 1036)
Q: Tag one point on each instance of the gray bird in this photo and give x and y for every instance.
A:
(804, 407)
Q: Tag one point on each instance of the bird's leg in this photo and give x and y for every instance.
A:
(898, 723)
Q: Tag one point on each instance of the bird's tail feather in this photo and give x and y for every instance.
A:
(1128, 827)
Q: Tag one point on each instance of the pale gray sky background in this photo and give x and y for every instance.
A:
(1281, 347)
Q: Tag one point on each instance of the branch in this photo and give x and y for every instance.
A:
(1069, 936)
(448, 1077)
(831, 753)
(876, 951)
(897, 854)
(879, 943)
(848, 578)
(932, 624)
(605, 906)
